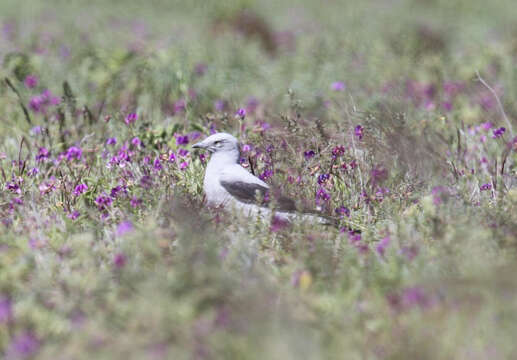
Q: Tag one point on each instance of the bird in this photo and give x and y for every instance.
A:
(229, 185)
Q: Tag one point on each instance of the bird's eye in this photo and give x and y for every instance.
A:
(218, 143)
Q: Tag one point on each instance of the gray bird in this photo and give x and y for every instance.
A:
(227, 184)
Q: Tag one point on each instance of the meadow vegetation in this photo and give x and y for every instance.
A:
(395, 117)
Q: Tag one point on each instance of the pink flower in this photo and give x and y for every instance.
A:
(338, 86)
(130, 118)
(31, 81)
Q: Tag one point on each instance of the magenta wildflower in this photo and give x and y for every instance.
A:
(266, 174)
(74, 152)
(485, 187)
(136, 141)
(183, 152)
(6, 310)
(382, 245)
(119, 260)
(172, 157)
(116, 190)
(157, 165)
(43, 154)
(278, 224)
(135, 202)
(308, 154)
(343, 211)
(33, 172)
(321, 194)
(202, 157)
(146, 182)
(241, 113)
(498, 132)
(80, 189)
(246, 148)
(36, 130)
(323, 178)
(111, 141)
(180, 106)
(182, 140)
(338, 151)
(183, 165)
(103, 202)
(73, 215)
(220, 105)
(338, 86)
(31, 81)
(23, 346)
(13, 187)
(358, 132)
(124, 228)
(131, 118)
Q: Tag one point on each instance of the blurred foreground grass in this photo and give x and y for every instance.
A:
(379, 97)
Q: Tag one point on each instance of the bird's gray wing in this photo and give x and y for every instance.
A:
(252, 193)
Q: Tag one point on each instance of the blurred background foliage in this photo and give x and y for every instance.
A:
(160, 277)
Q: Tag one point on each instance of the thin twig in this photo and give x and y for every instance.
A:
(501, 108)
(22, 105)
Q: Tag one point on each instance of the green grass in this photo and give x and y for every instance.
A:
(432, 275)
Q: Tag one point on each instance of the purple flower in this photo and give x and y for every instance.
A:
(266, 174)
(323, 178)
(358, 131)
(14, 187)
(498, 132)
(172, 157)
(338, 151)
(447, 106)
(80, 189)
(246, 148)
(31, 81)
(124, 228)
(6, 310)
(23, 346)
(382, 245)
(39, 103)
(157, 165)
(74, 152)
(485, 187)
(183, 152)
(43, 154)
(111, 141)
(146, 182)
(278, 224)
(136, 141)
(241, 113)
(119, 260)
(33, 172)
(202, 157)
(180, 106)
(378, 174)
(74, 215)
(220, 105)
(183, 165)
(321, 194)
(343, 211)
(116, 190)
(135, 202)
(251, 105)
(36, 130)
(308, 154)
(182, 140)
(103, 202)
(337, 86)
(130, 118)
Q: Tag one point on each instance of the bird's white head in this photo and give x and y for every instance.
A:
(219, 143)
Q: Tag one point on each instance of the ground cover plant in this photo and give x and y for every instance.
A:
(397, 118)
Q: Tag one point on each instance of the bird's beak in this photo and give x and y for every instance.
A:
(199, 145)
